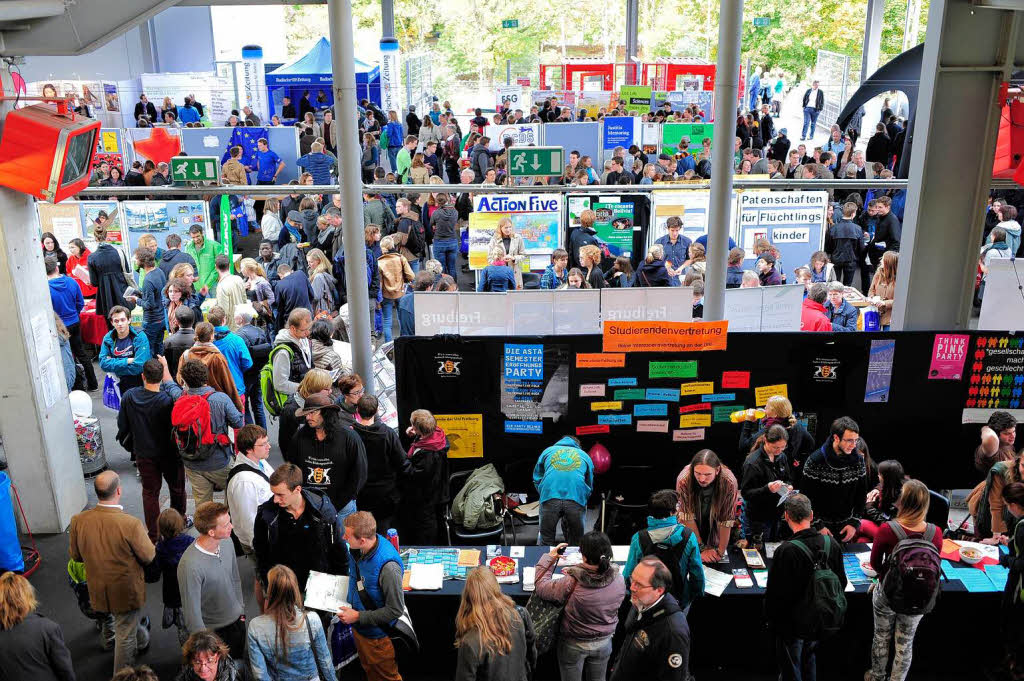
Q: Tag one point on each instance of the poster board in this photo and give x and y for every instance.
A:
(620, 131)
(158, 145)
(794, 222)
(582, 137)
(764, 308)
(636, 98)
(1002, 308)
(283, 140)
(161, 218)
(691, 205)
(527, 135)
(671, 133)
(436, 313)
(109, 149)
(647, 304)
(616, 220)
(537, 218)
(75, 220)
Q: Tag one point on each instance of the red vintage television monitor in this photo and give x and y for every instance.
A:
(47, 153)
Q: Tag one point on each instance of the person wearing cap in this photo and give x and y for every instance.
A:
(767, 273)
(292, 232)
(666, 167)
(779, 149)
(687, 161)
(330, 454)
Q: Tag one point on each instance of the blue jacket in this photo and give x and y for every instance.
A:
(682, 165)
(497, 279)
(843, 319)
(66, 298)
(395, 133)
(669, 531)
(703, 241)
(267, 660)
(367, 568)
(121, 367)
(318, 165)
(564, 471)
(407, 313)
(67, 358)
(188, 114)
(550, 280)
(236, 352)
(153, 310)
(675, 253)
(734, 276)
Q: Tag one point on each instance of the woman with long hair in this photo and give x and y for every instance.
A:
(270, 224)
(778, 410)
(52, 249)
(494, 635)
(652, 271)
(696, 260)
(985, 502)
(286, 643)
(259, 289)
(179, 291)
(205, 657)
(419, 173)
(590, 258)
(116, 178)
(515, 251)
(912, 509)
(31, 646)
(592, 592)
(621, 274)
(881, 501)
(883, 287)
(322, 347)
(708, 493)
(323, 283)
(78, 257)
(370, 158)
(576, 279)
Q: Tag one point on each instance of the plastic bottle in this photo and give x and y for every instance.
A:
(393, 538)
(871, 319)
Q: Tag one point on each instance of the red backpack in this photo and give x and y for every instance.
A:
(191, 421)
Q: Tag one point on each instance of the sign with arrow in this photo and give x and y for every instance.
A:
(536, 161)
(204, 169)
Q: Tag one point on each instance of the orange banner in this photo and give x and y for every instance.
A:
(600, 360)
(664, 336)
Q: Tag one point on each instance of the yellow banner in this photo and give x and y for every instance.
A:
(465, 434)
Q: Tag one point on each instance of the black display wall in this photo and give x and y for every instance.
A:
(919, 422)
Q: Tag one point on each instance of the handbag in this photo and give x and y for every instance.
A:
(111, 392)
(546, 616)
(402, 630)
(312, 648)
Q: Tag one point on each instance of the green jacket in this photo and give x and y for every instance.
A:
(205, 260)
(473, 507)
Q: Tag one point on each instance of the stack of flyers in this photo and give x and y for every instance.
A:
(742, 577)
(753, 558)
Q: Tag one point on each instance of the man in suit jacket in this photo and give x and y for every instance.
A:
(292, 291)
(114, 547)
(144, 106)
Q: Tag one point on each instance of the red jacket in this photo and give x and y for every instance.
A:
(813, 317)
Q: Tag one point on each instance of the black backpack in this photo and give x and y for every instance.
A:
(822, 611)
(669, 555)
(911, 583)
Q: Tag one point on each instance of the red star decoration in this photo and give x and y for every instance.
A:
(160, 146)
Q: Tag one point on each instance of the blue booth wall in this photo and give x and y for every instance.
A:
(584, 137)
(214, 142)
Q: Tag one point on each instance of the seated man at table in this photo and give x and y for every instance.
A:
(787, 604)
(835, 480)
(842, 315)
(997, 438)
(673, 543)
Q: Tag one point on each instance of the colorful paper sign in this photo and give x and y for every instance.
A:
(621, 381)
(652, 426)
(697, 388)
(722, 412)
(672, 369)
(948, 355)
(600, 360)
(665, 394)
(615, 419)
(762, 394)
(614, 226)
(718, 397)
(605, 406)
(631, 394)
(694, 420)
(592, 390)
(524, 427)
(735, 379)
(469, 432)
(688, 435)
(690, 408)
(664, 336)
(650, 409)
(591, 430)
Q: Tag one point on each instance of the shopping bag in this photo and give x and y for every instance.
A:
(343, 643)
(111, 392)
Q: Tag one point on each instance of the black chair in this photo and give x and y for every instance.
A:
(531, 280)
(938, 511)
(456, 481)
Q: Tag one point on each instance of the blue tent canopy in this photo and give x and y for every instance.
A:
(312, 71)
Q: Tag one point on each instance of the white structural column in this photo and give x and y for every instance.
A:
(968, 52)
(351, 181)
(727, 85)
(35, 414)
(872, 39)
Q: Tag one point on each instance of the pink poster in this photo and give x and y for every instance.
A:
(948, 356)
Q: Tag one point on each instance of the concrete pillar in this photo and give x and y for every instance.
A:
(632, 39)
(387, 20)
(872, 38)
(968, 50)
(35, 415)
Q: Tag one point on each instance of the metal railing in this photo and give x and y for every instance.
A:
(168, 192)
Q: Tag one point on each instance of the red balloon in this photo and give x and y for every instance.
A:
(601, 457)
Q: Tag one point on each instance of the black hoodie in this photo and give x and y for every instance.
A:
(657, 644)
(175, 256)
(385, 460)
(335, 466)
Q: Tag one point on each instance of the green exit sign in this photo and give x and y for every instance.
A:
(536, 161)
(195, 169)
(510, 23)
(762, 22)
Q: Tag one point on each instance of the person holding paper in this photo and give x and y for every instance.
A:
(287, 642)
(708, 494)
(788, 577)
(835, 480)
(766, 476)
